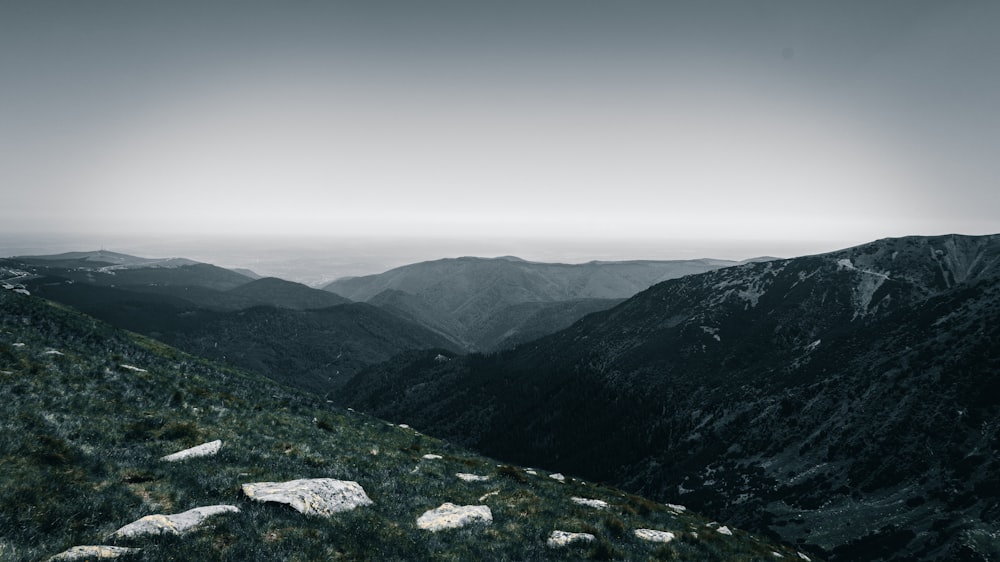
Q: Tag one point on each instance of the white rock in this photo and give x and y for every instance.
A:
(92, 552)
(803, 556)
(52, 352)
(451, 516)
(203, 450)
(598, 504)
(654, 535)
(557, 476)
(172, 524)
(431, 456)
(724, 530)
(488, 494)
(564, 538)
(311, 496)
(134, 368)
(471, 477)
(18, 344)
(531, 471)
(677, 508)
(404, 426)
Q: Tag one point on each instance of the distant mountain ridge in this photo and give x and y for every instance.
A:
(847, 401)
(462, 298)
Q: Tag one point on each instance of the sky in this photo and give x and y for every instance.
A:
(771, 126)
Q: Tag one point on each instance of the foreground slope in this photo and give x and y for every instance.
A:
(482, 302)
(846, 401)
(89, 410)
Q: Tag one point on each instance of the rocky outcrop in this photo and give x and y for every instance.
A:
(653, 535)
(596, 504)
(176, 524)
(451, 516)
(311, 496)
(464, 476)
(564, 538)
(203, 450)
(92, 552)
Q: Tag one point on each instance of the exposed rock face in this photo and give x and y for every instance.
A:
(92, 552)
(654, 536)
(172, 524)
(451, 516)
(563, 538)
(315, 496)
(203, 450)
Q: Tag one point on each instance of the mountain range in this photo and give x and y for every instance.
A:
(487, 304)
(316, 339)
(845, 402)
(114, 445)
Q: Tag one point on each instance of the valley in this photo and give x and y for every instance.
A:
(844, 403)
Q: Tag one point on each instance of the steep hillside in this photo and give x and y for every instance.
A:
(463, 298)
(96, 429)
(847, 401)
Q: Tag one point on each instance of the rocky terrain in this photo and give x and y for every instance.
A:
(117, 446)
(846, 402)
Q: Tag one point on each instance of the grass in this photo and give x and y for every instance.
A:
(81, 435)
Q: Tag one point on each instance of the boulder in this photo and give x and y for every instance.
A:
(311, 496)
(451, 516)
(654, 535)
(203, 450)
(172, 524)
(596, 504)
(465, 476)
(92, 552)
(564, 538)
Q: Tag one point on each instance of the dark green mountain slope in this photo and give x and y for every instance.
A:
(89, 410)
(846, 401)
(305, 337)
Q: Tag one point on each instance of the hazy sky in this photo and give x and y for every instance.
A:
(747, 120)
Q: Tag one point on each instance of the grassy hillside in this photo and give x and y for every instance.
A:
(88, 410)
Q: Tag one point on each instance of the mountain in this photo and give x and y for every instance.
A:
(286, 294)
(120, 270)
(92, 414)
(462, 298)
(846, 402)
(292, 333)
